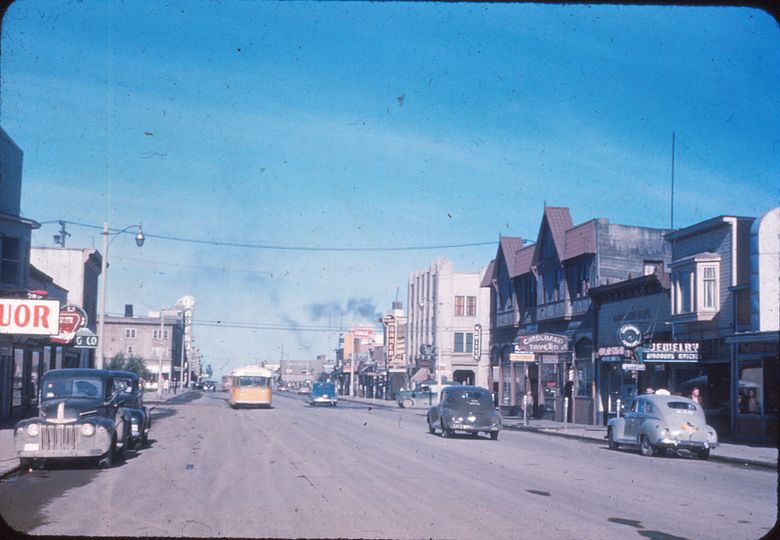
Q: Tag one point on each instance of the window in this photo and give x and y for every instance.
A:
(129, 333)
(464, 342)
(459, 306)
(9, 265)
(552, 285)
(683, 301)
(157, 334)
(471, 306)
(709, 290)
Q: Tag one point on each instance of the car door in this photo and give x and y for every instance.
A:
(633, 420)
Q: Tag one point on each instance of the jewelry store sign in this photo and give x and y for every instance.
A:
(669, 352)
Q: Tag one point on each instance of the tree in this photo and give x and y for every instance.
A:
(132, 363)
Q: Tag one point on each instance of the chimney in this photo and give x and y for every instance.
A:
(128, 310)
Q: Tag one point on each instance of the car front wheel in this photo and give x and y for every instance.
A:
(704, 453)
(494, 435)
(445, 432)
(408, 404)
(431, 429)
(646, 447)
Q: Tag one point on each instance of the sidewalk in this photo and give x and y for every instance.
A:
(9, 461)
(759, 456)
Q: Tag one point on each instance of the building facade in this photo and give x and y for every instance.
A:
(542, 320)
(448, 317)
(158, 339)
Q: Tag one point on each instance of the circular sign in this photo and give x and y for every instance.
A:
(630, 336)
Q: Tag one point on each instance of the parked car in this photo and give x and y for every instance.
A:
(323, 393)
(80, 416)
(465, 408)
(131, 400)
(657, 422)
(304, 390)
(209, 386)
(425, 394)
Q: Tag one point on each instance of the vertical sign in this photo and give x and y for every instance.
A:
(477, 341)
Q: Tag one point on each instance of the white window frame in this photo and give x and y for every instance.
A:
(703, 282)
(688, 282)
(130, 333)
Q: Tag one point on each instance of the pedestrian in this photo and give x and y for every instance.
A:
(696, 396)
(648, 390)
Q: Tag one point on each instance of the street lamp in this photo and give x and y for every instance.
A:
(139, 241)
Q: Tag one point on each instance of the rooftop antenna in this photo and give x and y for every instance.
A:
(672, 180)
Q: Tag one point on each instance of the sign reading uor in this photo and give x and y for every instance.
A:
(29, 317)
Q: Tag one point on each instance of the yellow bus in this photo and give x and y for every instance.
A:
(250, 386)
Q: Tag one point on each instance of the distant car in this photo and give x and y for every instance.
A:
(425, 394)
(80, 416)
(323, 393)
(304, 390)
(130, 397)
(657, 422)
(199, 385)
(209, 386)
(465, 408)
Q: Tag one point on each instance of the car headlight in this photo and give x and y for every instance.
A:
(88, 429)
(32, 430)
(472, 418)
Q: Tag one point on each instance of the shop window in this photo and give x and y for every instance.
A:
(751, 387)
(584, 377)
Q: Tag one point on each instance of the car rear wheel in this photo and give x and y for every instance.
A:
(431, 429)
(646, 448)
(704, 453)
(613, 445)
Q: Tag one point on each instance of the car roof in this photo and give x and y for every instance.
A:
(463, 387)
(126, 374)
(660, 398)
(80, 372)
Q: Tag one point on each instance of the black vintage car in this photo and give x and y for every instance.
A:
(130, 393)
(465, 408)
(80, 416)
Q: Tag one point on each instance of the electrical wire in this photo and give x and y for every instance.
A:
(282, 247)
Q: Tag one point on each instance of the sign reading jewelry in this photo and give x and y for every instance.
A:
(670, 352)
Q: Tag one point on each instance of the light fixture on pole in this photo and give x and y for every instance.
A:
(139, 241)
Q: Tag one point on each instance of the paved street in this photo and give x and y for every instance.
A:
(374, 472)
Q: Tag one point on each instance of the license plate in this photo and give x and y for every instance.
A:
(31, 447)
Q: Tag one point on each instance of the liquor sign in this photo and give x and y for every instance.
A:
(612, 351)
(29, 317)
(547, 343)
(72, 319)
(522, 357)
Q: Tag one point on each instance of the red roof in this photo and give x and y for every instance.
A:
(559, 221)
(580, 240)
(487, 279)
(523, 260)
(509, 246)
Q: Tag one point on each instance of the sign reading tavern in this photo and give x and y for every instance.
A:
(548, 343)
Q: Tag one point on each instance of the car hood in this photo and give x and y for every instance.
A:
(64, 411)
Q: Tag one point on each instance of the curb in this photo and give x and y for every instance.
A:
(713, 456)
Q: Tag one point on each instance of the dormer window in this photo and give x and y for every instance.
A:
(695, 286)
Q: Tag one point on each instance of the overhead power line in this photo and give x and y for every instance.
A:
(283, 247)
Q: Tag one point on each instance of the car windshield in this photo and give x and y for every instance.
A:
(62, 387)
(469, 398)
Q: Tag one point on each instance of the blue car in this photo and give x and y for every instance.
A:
(323, 393)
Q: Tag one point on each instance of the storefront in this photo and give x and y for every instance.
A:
(755, 387)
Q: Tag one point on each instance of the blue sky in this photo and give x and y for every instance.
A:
(369, 124)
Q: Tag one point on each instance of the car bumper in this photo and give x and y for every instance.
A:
(685, 444)
(473, 427)
(62, 442)
(324, 400)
